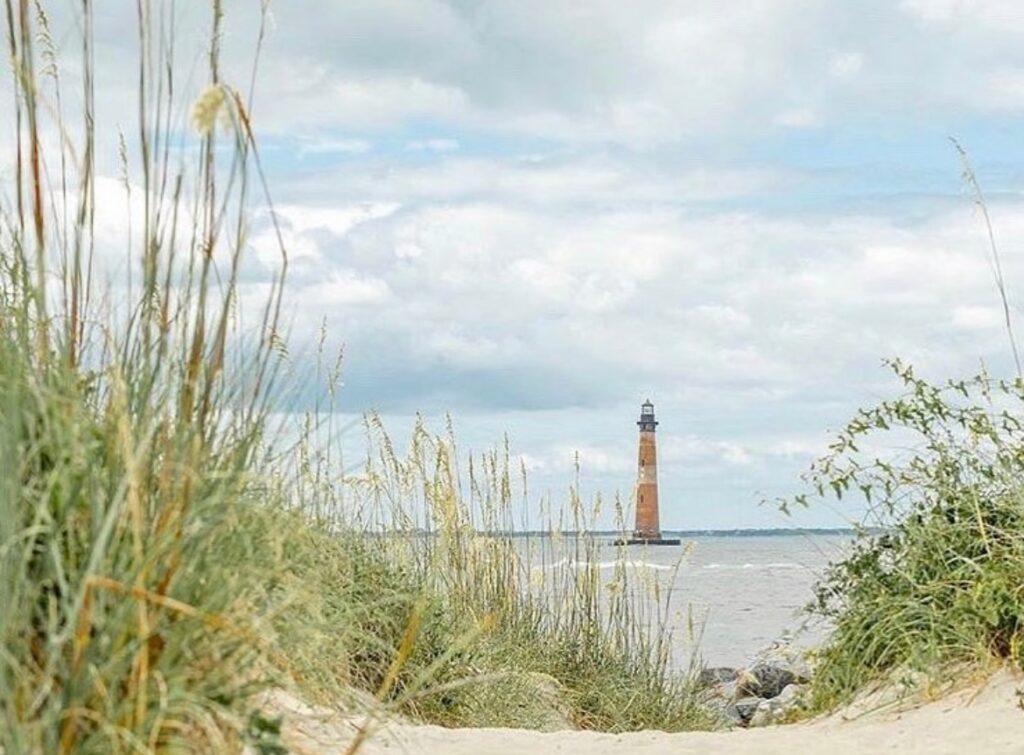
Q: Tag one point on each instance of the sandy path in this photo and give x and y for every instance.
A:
(985, 720)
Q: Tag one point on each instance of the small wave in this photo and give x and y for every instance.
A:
(604, 565)
(773, 565)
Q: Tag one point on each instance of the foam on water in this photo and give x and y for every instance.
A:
(604, 565)
(771, 565)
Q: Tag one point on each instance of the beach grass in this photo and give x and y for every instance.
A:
(166, 555)
(514, 628)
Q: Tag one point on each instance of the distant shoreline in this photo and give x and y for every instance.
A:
(773, 532)
(682, 534)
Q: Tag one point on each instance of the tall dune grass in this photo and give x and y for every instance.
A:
(160, 562)
(508, 613)
(128, 447)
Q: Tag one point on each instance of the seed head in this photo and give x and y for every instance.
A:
(207, 107)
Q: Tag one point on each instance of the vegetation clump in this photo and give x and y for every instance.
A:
(164, 556)
(941, 582)
(453, 617)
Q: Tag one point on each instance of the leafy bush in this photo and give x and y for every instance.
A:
(943, 582)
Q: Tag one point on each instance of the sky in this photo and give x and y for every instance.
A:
(533, 215)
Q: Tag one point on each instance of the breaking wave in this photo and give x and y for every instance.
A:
(772, 565)
(605, 565)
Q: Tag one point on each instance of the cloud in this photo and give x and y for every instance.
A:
(1003, 15)
(333, 146)
(345, 288)
(646, 73)
(799, 118)
(551, 181)
(1002, 89)
(845, 64)
(641, 74)
(691, 449)
(577, 300)
(977, 318)
(432, 145)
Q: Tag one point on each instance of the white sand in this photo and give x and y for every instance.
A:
(984, 719)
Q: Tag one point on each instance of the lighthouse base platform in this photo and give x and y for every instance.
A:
(648, 541)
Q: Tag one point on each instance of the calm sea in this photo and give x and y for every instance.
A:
(740, 592)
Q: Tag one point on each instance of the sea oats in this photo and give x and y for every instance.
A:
(206, 108)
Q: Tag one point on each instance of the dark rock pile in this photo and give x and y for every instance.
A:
(763, 693)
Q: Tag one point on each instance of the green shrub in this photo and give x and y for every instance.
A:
(942, 582)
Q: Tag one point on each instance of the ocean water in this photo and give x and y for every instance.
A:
(736, 594)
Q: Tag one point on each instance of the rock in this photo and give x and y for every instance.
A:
(775, 709)
(785, 655)
(720, 700)
(763, 714)
(746, 707)
(767, 680)
(789, 698)
(713, 677)
(726, 712)
(727, 691)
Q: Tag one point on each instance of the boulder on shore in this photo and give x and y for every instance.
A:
(766, 680)
(775, 709)
(725, 712)
(713, 677)
(746, 707)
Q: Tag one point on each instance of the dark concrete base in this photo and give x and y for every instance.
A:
(648, 541)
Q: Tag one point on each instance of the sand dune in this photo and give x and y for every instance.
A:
(984, 719)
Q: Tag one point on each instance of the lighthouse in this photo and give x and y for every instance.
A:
(648, 524)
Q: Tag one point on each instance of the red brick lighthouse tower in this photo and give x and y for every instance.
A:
(648, 525)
